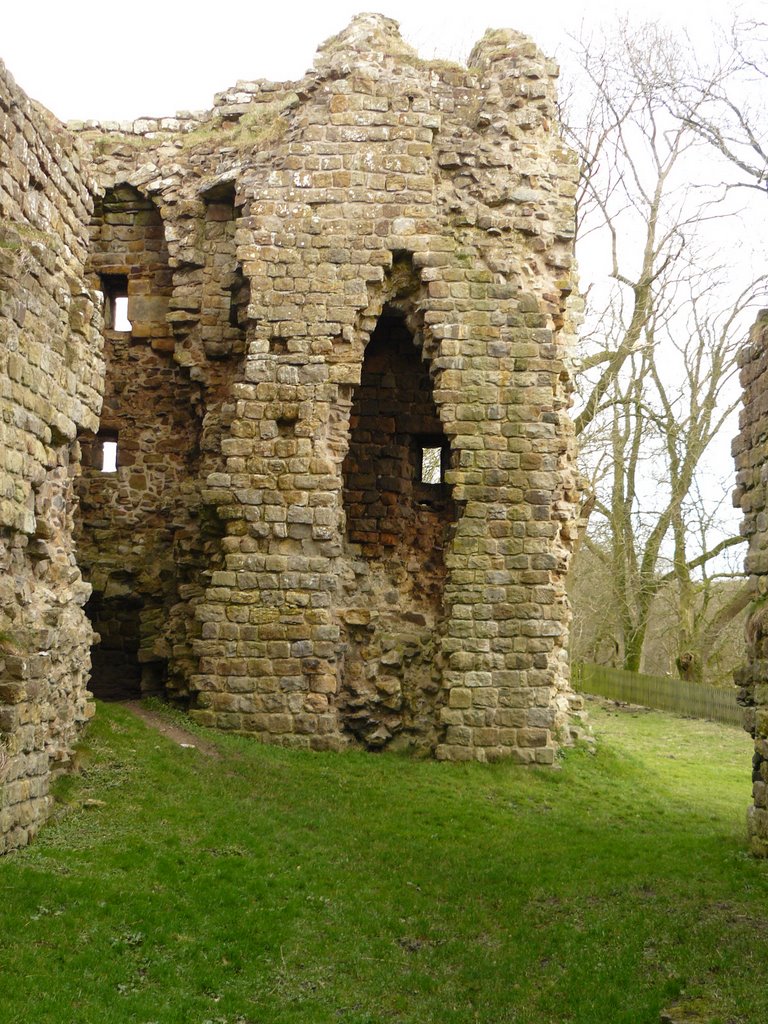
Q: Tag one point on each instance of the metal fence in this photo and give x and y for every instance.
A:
(662, 692)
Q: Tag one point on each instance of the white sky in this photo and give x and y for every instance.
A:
(108, 60)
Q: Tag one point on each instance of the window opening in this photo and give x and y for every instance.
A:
(433, 456)
(121, 321)
(109, 457)
(114, 288)
(107, 446)
(431, 465)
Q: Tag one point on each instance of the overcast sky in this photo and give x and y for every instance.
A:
(87, 59)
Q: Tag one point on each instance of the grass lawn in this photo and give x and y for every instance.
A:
(272, 887)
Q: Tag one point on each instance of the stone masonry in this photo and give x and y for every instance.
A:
(750, 450)
(334, 318)
(51, 378)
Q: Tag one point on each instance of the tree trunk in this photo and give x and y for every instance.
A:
(633, 650)
(689, 667)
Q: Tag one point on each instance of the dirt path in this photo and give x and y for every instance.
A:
(173, 732)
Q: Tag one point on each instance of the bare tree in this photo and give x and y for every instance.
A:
(724, 103)
(662, 329)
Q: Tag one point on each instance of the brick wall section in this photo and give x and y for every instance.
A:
(51, 378)
(379, 184)
(750, 450)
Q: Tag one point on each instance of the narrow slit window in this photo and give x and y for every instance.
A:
(122, 323)
(431, 465)
(114, 288)
(108, 447)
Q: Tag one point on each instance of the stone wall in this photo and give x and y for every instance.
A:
(51, 379)
(276, 312)
(130, 518)
(361, 264)
(750, 450)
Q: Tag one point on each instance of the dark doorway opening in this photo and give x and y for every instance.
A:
(115, 667)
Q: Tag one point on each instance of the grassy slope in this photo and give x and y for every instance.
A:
(273, 887)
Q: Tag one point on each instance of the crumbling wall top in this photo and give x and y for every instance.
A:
(371, 36)
(370, 44)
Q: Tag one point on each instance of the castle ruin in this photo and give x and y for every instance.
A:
(284, 412)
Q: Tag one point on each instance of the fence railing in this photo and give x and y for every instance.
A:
(662, 692)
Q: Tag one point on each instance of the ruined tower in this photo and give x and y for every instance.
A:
(329, 497)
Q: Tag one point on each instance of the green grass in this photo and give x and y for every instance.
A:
(272, 887)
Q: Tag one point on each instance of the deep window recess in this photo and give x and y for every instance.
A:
(115, 290)
(390, 506)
